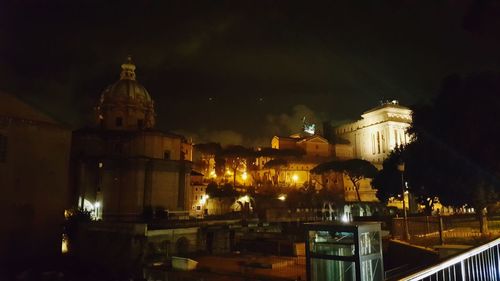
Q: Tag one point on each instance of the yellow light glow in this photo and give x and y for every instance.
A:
(282, 197)
(212, 174)
(295, 178)
(64, 244)
(244, 199)
(244, 176)
(67, 214)
(204, 199)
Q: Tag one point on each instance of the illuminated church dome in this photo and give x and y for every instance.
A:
(126, 104)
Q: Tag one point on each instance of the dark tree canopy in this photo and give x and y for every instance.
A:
(226, 190)
(388, 180)
(354, 169)
(237, 151)
(273, 152)
(209, 148)
(455, 152)
(276, 164)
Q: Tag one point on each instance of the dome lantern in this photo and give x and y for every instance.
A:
(126, 104)
(128, 70)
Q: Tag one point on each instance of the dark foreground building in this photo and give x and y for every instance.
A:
(34, 157)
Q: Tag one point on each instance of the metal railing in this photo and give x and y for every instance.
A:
(428, 231)
(480, 263)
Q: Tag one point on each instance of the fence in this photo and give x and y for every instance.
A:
(432, 230)
(480, 263)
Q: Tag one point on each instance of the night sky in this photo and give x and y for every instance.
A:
(240, 72)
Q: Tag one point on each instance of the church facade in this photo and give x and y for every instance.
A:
(122, 167)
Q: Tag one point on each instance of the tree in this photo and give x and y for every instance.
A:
(212, 190)
(354, 169)
(210, 150)
(455, 152)
(277, 164)
(280, 153)
(388, 180)
(224, 191)
(237, 157)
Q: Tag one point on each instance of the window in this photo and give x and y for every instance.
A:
(118, 121)
(140, 123)
(166, 154)
(3, 148)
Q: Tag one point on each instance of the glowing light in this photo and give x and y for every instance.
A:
(212, 174)
(282, 197)
(67, 214)
(64, 244)
(344, 218)
(100, 165)
(97, 204)
(204, 199)
(244, 199)
(295, 178)
(244, 176)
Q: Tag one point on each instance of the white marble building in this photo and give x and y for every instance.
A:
(380, 130)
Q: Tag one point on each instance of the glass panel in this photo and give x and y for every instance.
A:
(333, 243)
(371, 270)
(369, 243)
(322, 270)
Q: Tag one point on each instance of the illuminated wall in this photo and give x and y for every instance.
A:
(378, 132)
(315, 146)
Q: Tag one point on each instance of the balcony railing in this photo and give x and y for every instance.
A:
(480, 263)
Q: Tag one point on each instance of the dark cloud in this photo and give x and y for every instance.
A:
(242, 66)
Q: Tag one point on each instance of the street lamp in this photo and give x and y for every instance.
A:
(406, 234)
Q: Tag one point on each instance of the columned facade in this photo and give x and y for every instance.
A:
(380, 131)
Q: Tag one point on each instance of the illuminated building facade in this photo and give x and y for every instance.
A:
(316, 150)
(123, 168)
(380, 130)
(34, 161)
(199, 197)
